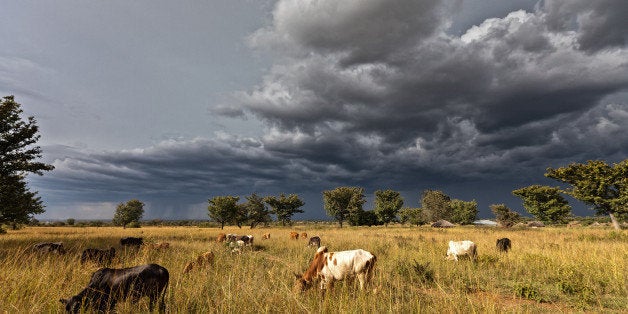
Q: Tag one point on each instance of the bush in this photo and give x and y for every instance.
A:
(133, 224)
(528, 292)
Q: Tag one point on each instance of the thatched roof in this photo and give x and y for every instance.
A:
(536, 224)
(443, 224)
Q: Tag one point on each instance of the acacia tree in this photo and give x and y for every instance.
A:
(17, 158)
(463, 212)
(256, 210)
(436, 205)
(284, 207)
(412, 216)
(387, 205)
(127, 213)
(597, 184)
(545, 203)
(504, 216)
(222, 209)
(344, 202)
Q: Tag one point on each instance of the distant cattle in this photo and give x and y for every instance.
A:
(108, 286)
(131, 241)
(304, 235)
(221, 237)
(159, 246)
(315, 241)
(503, 245)
(294, 235)
(461, 248)
(204, 260)
(266, 236)
(329, 266)
(98, 255)
(49, 247)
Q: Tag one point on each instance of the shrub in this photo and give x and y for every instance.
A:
(528, 292)
(133, 224)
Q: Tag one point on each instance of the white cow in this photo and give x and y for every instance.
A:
(329, 266)
(458, 248)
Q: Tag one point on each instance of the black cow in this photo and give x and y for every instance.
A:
(98, 255)
(49, 247)
(315, 241)
(108, 286)
(131, 241)
(503, 245)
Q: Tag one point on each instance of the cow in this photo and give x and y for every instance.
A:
(108, 286)
(236, 246)
(232, 237)
(329, 266)
(315, 241)
(221, 237)
(294, 235)
(304, 235)
(503, 245)
(266, 236)
(460, 248)
(206, 259)
(131, 241)
(49, 247)
(98, 255)
(159, 246)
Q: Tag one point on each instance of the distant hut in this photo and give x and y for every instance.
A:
(442, 224)
(535, 224)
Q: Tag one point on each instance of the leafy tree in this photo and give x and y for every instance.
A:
(284, 207)
(223, 209)
(463, 213)
(412, 216)
(369, 218)
(436, 205)
(256, 210)
(545, 203)
(597, 184)
(132, 211)
(504, 216)
(70, 221)
(17, 158)
(387, 205)
(343, 202)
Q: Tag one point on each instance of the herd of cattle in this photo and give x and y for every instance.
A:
(107, 286)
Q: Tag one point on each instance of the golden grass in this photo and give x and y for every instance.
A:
(548, 270)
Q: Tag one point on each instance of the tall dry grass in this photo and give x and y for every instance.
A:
(548, 270)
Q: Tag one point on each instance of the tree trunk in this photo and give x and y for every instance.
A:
(614, 221)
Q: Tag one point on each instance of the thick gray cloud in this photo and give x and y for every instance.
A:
(387, 94)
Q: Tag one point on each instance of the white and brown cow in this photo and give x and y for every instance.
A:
(330, 266)
(460, 248)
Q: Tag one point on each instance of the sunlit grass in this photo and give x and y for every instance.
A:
(548, 270)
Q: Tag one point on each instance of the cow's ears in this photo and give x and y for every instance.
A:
(64, 301)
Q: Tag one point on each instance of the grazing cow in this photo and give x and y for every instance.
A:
(221, 237)
(49, 247)
(294, 235)
(314, 241)
(232, 237)
(204, 260)
(236, 246)
(108, 286)
(304, 235)
(98, 255)
(460, 248)
(332, 266)
(503, 245)
(131, 241)
(159, 246)
(266, 236)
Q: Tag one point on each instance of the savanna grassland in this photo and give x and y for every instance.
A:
(548, 270)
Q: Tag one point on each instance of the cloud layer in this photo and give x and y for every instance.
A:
(380, 94)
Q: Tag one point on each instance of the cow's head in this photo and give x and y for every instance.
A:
(301, 285)
(73, 304)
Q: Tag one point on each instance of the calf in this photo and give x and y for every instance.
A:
(159, 246)
(266, 236)
(98, 255)
(108, 286)
(503, 245)
(221, 237)
(304, 235)
(314, 241)
(131, 241)
(49, 247)
(328, 267)
(206, 259)
(294, 235)
(460, 248)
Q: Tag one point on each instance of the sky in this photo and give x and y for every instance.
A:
(175, 102)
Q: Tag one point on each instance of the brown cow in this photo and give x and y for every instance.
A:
(158, 246)
(266, 236)
(304, 235)
(221, 237)
(204, 260)
(294, 235)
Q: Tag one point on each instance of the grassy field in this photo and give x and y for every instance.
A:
(548, 270)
